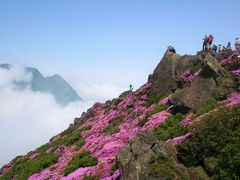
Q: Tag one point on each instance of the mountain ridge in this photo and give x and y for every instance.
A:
(145, 134)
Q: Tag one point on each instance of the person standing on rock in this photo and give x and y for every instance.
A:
(214, 48)
(131, 87)
(237, 44)
(209, 44)
(229, 47)
(220, 48)
(204, 43)
(171, 49)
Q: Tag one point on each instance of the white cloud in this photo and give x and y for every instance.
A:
(99, 92)
(28, 119)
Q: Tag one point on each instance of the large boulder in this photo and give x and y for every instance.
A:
(146, 158)
(168, 71)
(201, 89)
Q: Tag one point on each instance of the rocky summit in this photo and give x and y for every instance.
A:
(184, 123)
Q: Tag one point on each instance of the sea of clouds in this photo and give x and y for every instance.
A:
(29, 119)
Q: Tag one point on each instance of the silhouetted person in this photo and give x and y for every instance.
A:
(237, 44)
(214, 48)
(131, 87)
(208, 47)
(220, 48)
(204, 42)
(171, 49)
(229, 47)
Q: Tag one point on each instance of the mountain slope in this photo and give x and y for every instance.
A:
(145, 134)
(55, 85)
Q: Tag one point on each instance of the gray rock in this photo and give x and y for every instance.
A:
(169, 70)
(201, 89)
(146, 158)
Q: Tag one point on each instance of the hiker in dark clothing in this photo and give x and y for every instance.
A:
(229, 47)
(237, 44)
(204, 42)
(131, 87)
(171, 49)
(214, 48)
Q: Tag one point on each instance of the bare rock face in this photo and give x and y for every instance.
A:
(201, 89)
(169, 70)
(194, 96)
(146, 158)
(135, 157)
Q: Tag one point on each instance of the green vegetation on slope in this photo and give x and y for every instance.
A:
(157, 109)
(155, 100)
(170, 128)
(80, 160)
(215, 144)
(207, 106)
(113, 126)
(71, 137)
(22, 169)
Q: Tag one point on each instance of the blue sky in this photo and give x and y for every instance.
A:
(109, 41)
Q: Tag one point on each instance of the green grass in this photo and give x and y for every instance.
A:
(207, 106)
(114, 168)
(170, 128)
(21, 170)
(221, 93)
(68, 140)
(143, 121)
(81, 160)
(151, 101)
(195, 68)
(80, 143)
(113, 126)
(215, 144)
(71, 139)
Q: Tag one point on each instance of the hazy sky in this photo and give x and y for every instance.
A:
(99, 46)
(109, 41)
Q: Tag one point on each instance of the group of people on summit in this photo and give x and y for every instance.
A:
(207, 45)
(212, 48)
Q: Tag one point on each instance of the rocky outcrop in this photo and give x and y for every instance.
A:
(201, 89)
(120, 130)
(145, 157)
(169, 70)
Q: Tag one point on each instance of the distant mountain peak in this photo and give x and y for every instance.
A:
(55, 85)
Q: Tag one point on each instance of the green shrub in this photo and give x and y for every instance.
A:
(46, 146)
(113, 126)
(107, 109)
(80, 160)
(80, 143)
(25, 168)
(159, 108)
(207, 106)
(114, 168)
(221, 93)
(143, 121)
(71, 139)
(215, 144)
(170, 128)
(195, 68)
(86, 128)
(67, 131)
(155, 100)
(133, 114)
